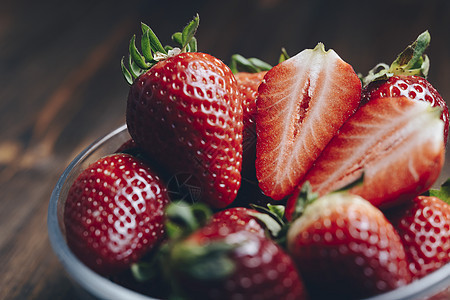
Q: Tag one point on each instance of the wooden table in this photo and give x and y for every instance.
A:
(61, 87)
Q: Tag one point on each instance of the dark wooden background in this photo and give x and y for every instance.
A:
(61, 86)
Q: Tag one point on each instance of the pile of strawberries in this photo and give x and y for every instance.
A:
(298, 181)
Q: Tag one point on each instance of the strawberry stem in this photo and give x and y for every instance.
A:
(153, 51)
(412, 62)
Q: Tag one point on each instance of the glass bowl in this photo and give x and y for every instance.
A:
(435, 286)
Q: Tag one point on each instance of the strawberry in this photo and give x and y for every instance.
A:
(185, 112)
(424, 228)
(248, 86)
(406, 76)
(114, 213)
(226, 260)
(301, 104)
(394, 143)
(345, 248)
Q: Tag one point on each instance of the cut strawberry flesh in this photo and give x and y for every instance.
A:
(397, 144)
(302, 103)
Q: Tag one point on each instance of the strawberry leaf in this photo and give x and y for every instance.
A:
(443, 193)
(155, 44)
(204, 262)
(125, 72)
(182, 218)
(189, 31)
(177, 39)
(250, 65)
(135, 55)
(146, 47)
(305, 197)
(283, 56)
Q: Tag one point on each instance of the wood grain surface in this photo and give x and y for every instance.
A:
(61, 86)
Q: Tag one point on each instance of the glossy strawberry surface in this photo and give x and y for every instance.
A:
(186, 113)
(302, 103)
(415, 88)
(248, 85)
(114, 213)
(394, 143)
(345, 248)
(424, 227)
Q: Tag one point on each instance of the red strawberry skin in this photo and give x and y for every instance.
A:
(415, 88)
(248, 86)
(345, 249)
(424, 228)
(186, 113)
(114, 213)
(262, 270)
(237, 219)
(396, 143)
(301, 104)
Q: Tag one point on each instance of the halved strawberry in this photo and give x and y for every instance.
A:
(114, 213)
(395, 143)
(302, 103)
(424, 228)
(345, 248)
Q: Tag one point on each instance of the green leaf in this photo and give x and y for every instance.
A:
(144, 271)
(204, 262)
(134, 68)
(182, 218)
(443, 193)
(125, 72)
(242, 64)
(145, 46)
(136, 56)
(283, 56)
(155, 44)
(193, 44)
(305, 197)
(259, 64)
(250, 65)
(189, 31)
(269, 222)
(178, 39)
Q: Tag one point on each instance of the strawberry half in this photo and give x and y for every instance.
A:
(345, 248)
(424, 228)
(302, 103)
(395, 143)
(185, 112)
(114, 213)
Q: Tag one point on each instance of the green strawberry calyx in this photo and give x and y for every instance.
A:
(412, 62)
(152, 51)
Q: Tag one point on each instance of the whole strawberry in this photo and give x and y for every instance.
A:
(185, 112)
(114, 213)
(346, 249)
(227, 259)
(424, 228)
(406, 76)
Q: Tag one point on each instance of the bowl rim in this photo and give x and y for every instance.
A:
(103, 288)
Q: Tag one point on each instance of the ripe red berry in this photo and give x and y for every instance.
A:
(114, 213)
